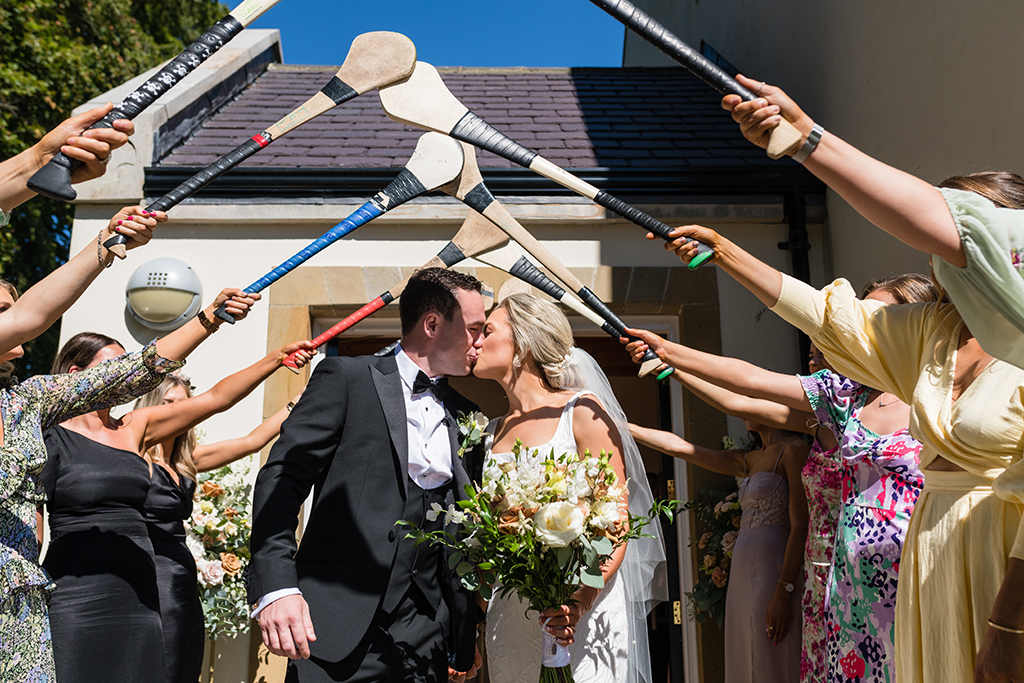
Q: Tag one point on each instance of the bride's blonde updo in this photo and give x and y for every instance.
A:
(539, 328)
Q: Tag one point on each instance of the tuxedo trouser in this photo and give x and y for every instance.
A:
(406, 645)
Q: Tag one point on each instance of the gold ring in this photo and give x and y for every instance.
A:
(104, 161)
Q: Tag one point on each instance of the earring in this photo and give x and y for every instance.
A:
(516, 362)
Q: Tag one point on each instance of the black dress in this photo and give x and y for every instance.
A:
(105, 612)
(167, 506)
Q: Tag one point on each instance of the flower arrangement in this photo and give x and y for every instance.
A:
(719, 510)
(542, 526)
(471, 430)
(219, 540)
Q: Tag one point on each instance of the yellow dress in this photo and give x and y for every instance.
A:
(966, 524)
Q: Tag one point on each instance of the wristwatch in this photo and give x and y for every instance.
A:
(788, 586)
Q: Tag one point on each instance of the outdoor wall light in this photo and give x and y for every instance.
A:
(163, 294)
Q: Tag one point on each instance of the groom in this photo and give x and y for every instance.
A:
(377, 440)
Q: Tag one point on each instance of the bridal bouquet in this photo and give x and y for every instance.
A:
(540, 525)
(218, 536)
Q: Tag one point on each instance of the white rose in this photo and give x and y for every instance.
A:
(606, 514)
(433, 512)
(729, 540)
(194, 545)
(211, 573)
(558, 524)
(230, 529)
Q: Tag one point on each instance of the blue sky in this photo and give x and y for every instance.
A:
(453, 32)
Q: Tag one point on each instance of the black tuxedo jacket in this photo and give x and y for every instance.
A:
(348, 439)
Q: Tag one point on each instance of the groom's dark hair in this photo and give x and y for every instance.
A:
(433, 289)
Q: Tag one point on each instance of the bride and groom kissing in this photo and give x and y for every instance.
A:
(377, 440)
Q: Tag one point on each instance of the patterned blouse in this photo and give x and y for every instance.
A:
(30, 408)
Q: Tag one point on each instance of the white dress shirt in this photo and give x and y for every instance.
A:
(430, 448)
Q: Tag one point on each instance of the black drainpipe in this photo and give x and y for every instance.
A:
(797, 244)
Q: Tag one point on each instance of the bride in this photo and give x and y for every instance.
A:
(559, 398)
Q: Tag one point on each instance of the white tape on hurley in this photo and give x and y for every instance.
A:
(553, 655)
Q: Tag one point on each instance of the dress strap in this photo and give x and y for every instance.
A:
(566, 418)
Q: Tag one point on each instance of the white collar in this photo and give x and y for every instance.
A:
(407, 367)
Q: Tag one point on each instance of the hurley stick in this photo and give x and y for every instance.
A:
(469, 188)
(423, 101)
(374, 60)
(476, 235)
(784, 139)
(54, 179)
(437, 160)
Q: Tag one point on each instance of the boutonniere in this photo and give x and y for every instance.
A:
(471, 430)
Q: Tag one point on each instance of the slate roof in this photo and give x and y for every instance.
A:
(628, 118)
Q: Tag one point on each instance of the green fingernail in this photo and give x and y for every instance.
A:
(667, 372)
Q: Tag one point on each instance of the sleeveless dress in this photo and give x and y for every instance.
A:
(882, 480)
(598, 654)
(822, 479)
(181, 613)
(105, 611)
(757, 561)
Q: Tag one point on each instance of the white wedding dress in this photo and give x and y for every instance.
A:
(599, 653)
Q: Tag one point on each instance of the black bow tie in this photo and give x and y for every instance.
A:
(423, 383)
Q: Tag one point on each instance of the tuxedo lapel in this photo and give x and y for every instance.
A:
(388, 384)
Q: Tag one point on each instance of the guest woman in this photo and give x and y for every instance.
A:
(26, 411)
(762, 608)
(960, 604)
(175, 462)
(880, 482)
(106, 609)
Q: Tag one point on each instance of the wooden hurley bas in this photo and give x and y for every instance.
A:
(436, 161)
(374, 60)
(476, 235)
(54, 179)
(423, 101)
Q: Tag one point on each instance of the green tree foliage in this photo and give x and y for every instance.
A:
(55, 55)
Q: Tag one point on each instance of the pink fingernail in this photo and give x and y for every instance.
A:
(119, 222)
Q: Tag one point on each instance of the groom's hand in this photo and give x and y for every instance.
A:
(458, 677)
(287, 628)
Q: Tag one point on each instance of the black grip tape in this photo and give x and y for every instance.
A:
(54, 179)
(450, 255)
(474, 130)
(615, 324)
(527, 272)
(339, 91)
(400, 190)
(633, 214)
(653, 32)
(479, 198)
(387, 298)
(208, 175)
(644, 220)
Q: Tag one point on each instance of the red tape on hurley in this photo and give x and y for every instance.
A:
(262, 139)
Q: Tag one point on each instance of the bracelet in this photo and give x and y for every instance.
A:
(207, 324)
(810, 144)
(102, 251)
(291, 404)
(1004, 629)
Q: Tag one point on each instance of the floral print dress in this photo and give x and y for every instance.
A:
(822, 478)
(882, 480)
(27, 410)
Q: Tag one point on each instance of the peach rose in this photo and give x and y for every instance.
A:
(719, 577)
(231, 564)
(230, 513)
(212, 489)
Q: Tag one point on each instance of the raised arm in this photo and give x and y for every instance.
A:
(184, 340)
(73, 137)
(740, 378)
(768, 413)
(904, 206)
(157, 424)
(724, 462)
(215, 455)
(42, 304)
